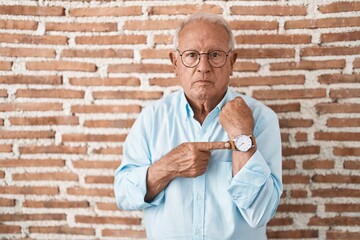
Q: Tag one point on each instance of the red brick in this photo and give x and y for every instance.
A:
(336, 193)
(290, 94)
(338, 207)
(253, 53)
(164, 82)
(5, 148)
(346, 151)
(344, 93)
(299, 193)
(268, 80)
(288, 151)
(96, 164)
(8, 134)
(299, 208)
(32, 217)
(291, 179)
(301, 137)
(294, 10)
(151, 24)
(339, 7)
(334, 221)
(56, 204)
(338, 107)
(10, 229)
(61, 66)
(49, 93)
(339, 78)
(111, 40)
(62, 230)
(290, 234)
(99, 192)
(246, 67)
(36, 163)
(140, 68)
(81, 27)
(98, 53)
(356, 63)
(335, 178)
(340, 37)
(99, 179)
(280, 221)
(144, 95)
(93, 137)
(27, 52)
(290, 123)
(130, 81)
(329, 51)
(184, 9)
(33, 39)
(26, 107)
(7, 202)
(343, 122)
(105, 109)
(109, 150)
(338, 234)
(308, 65)
(155, 53)
(323, 23)
(288, 164)
(3, 92)
(106, 206)
(56, 120)
(337, 136)
(107, 220)
(273, 39)
(19, 25)
(163, 39)
(123, 233)
(349, 164)
(285, 137)
(31, 10)
(45, 176)
(289, 107)
(5, 66)
(318, 164)
(254, 25)
(121, 123)
(28, 79)
(106, 11)
(27, 190)
(52, 149)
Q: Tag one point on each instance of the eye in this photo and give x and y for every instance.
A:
(214, 54)
(191, 54)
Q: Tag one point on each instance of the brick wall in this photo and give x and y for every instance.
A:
(75, 74)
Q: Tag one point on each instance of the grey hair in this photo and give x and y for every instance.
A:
(207, 17)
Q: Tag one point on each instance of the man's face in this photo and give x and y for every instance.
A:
(203, 82)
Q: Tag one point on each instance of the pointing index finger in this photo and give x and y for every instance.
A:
(207, 146)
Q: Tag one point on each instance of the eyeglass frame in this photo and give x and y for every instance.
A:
(204, 53)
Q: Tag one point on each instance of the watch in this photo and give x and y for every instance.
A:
(243, 143)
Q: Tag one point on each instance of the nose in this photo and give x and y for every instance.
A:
(204, 65)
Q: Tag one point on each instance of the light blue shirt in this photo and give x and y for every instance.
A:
(215, 205)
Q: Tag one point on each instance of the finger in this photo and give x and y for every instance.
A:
(208, 146)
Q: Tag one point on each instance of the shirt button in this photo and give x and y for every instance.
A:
(198, 197)
(197, 231)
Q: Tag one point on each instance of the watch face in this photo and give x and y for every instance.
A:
(243, 143)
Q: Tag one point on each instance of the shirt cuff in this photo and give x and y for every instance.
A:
(247, 183)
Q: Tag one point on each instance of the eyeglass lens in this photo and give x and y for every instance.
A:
(216, 58)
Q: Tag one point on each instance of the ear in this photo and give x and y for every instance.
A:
(233, 58)
(173, 59)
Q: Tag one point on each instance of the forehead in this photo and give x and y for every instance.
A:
(203, 35)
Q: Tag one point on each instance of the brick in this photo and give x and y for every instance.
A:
(18, 25)
(3, 92)
(2, 174)
(109, 150)
(164, 82)
(7, 202)
(99, 192)
(5, 148)
(144, 95)
(284, 137)
(329, 51)
(289, 107)
(105, 109)
(121, 123)
(62, 230)
(98, 53)
(26, 107)
(49, 93)
(337, 107)
(294, 10)
(246, 67)
(163, 39)
(10, 229)
(293, 122)
(301, 137)
(335, 178)
(32, 217)
(31, 10)
(27, 52)
(349, 164)
(106, 11)
(56, 204)
(155, 53)
(52, 149)
(334, 221)
(184, 9)
(140, 68)
(35, 121)
(8, 134)
(340, 37)
(336, 193)
(323, 23)
(99, 179)
(318, 164)
(290, 94)
(338, 207)
(36, 163)
(127, 81)
(338, 234)
(338, 78)
(45, 176)
(61, 66)
(308, 65)
(343, 122)
(344, 93)
(253, 53)
(106, 206)
(80, 27)
(96, 164)
(356, 63)
(268, 80)
(93, 137)
(339, 7)
(5, 66)
(298, 193)
(280, 221)
(33, 39)
(151, 24)
(27, 190)
(288, 164)
(107, 220)
(28, 79)
(346, 151)
(289, 234)
(111, 40)
(273, 39)
(337, 136)
(254, 25)
(299, 208)
(291, 179)
(123, 233)
(288, 151)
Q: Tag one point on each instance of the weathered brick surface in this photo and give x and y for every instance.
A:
(74, 75)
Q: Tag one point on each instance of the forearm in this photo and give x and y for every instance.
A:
(239, 159)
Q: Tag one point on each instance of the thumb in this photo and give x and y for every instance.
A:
(208, 146)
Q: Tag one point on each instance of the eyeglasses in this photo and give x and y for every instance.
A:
(191, 58)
